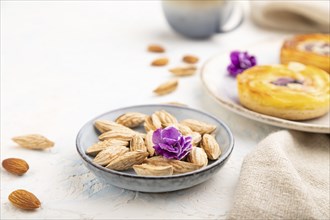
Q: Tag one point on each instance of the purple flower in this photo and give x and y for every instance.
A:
(170, 143)
(240, 61)
(284, 81)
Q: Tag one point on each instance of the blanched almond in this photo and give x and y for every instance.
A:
(152, 170)
(167, 87)
(211, 147)
(131, 119)
(33, 141)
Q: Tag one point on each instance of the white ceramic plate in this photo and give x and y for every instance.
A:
(223, 88)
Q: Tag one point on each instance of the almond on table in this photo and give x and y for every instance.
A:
(184, 71)
(167, 87)
(33, 141)
(190, 59)
(24, 200)
(15, 166)
(156, 48)
(160, 62)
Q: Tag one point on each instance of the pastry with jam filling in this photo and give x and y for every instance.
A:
(309, 49)
(293, 91)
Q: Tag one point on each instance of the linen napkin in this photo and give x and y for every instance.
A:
(285, 177)
(293, 15)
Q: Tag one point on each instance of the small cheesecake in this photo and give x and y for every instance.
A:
(309, 49)
(294, 91)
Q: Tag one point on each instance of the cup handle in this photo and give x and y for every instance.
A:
(234, 21)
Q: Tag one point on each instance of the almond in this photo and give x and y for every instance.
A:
(15, 166)
(156, 48)
(24, 200)
(178, 165)
(211, 147)
(184, 71)
(148, 124)
(165, 118)
(198, 126)
(131, 119)
(185, 130)
(137, 144)
(190, 59)
(33, 141)
(198, 156)
(160, 62)
(102, 145)
(152, 170)
(106, 156)
(127, 160)
(105, 125)
(149, 143)
(167, 87)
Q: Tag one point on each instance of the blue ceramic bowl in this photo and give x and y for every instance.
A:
(88, 135)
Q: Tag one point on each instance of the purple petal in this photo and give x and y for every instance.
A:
(169, 141)
(157, 136)
(234, 57)
(182, 155)
(169, 148)
(171, 132)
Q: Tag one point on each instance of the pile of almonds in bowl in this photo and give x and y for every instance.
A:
(166, 146)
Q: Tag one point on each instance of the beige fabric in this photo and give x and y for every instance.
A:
(293, 15)
(285, 177)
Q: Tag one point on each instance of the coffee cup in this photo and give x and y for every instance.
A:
(202, 18)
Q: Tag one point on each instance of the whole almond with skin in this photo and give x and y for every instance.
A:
(15, 166)
(131, 119)
(106, 156)
(160, 62)
(198, 126)
(156, 48)
(33, 141)
(152, 170)
(198, 156)
(24, 200)
(137, 144)
(167, 87)
(127, 160)
(211, 147)
(190, 59)
(184, 71)
(149, 143)
(101, 145)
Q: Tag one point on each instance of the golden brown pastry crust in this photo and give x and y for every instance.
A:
(309, 49)
(305, 96)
